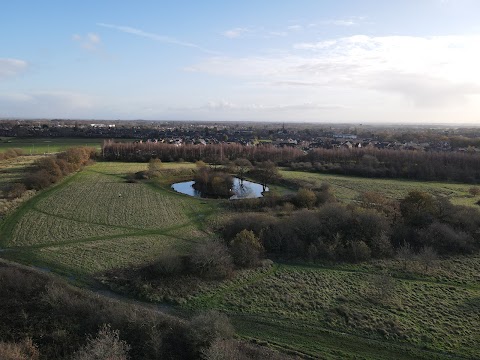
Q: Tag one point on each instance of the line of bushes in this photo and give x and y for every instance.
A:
(51, 169)
(375, 228)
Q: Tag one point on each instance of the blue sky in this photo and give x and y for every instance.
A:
(363, 61)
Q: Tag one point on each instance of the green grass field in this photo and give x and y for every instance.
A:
(337, 314)
(94, 221)
(40, 146)
(347, 188)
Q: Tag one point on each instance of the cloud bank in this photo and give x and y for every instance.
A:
(428, 71)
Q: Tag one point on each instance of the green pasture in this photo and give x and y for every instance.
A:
(95, 220)
(348, 188)
(40, 146)
(336, 313)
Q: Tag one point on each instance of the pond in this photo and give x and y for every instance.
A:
(241, 190)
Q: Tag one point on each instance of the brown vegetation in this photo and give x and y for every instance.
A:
(419, 224)
(51, 169)
(64, 323)
(215, 154)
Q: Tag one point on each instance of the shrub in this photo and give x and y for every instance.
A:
(105, 346)
(474, 191)
(210, 326)
(446, 240)
(38, 180)
(16, 190)
(154, 167)
(168, 265)
(246, 249)
(24, 350)
(250, 221)
(359, 251)
(305, 198)
(211, 259)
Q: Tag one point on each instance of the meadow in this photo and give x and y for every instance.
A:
(40, 146)
(348, 188)
(96, 221)
(341, 313)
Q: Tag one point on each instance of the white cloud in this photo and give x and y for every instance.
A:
(11, 67)
(295, 27)
(236, 32)
(343, 22)
(155, 37)
(90, 42)
(431, 71)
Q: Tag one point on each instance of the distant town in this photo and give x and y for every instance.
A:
(297, 135)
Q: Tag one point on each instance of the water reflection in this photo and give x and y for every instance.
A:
(241, 189)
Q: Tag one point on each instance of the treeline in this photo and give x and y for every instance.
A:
(417, 165)
(51, 169)
(43, 318)
(215, 153)
(381, 163)
(376, 227)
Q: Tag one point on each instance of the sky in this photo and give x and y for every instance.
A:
(337, 61)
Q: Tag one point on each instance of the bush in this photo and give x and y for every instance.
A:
(168, 265)
(446, 240)
(25, 350)
(305, 198)
(105, 346)
(154, 167)
(211, 259)
(250, 221)
(210, 326)
(246, 249)
(359, 251)
(38, 180)
(16, 190)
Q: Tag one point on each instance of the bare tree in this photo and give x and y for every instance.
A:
(106, 345)
(242, 166)
(212, 259)
(405, 254)
(267, 172)
(427, 256)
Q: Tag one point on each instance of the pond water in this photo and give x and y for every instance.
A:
(241, 190)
